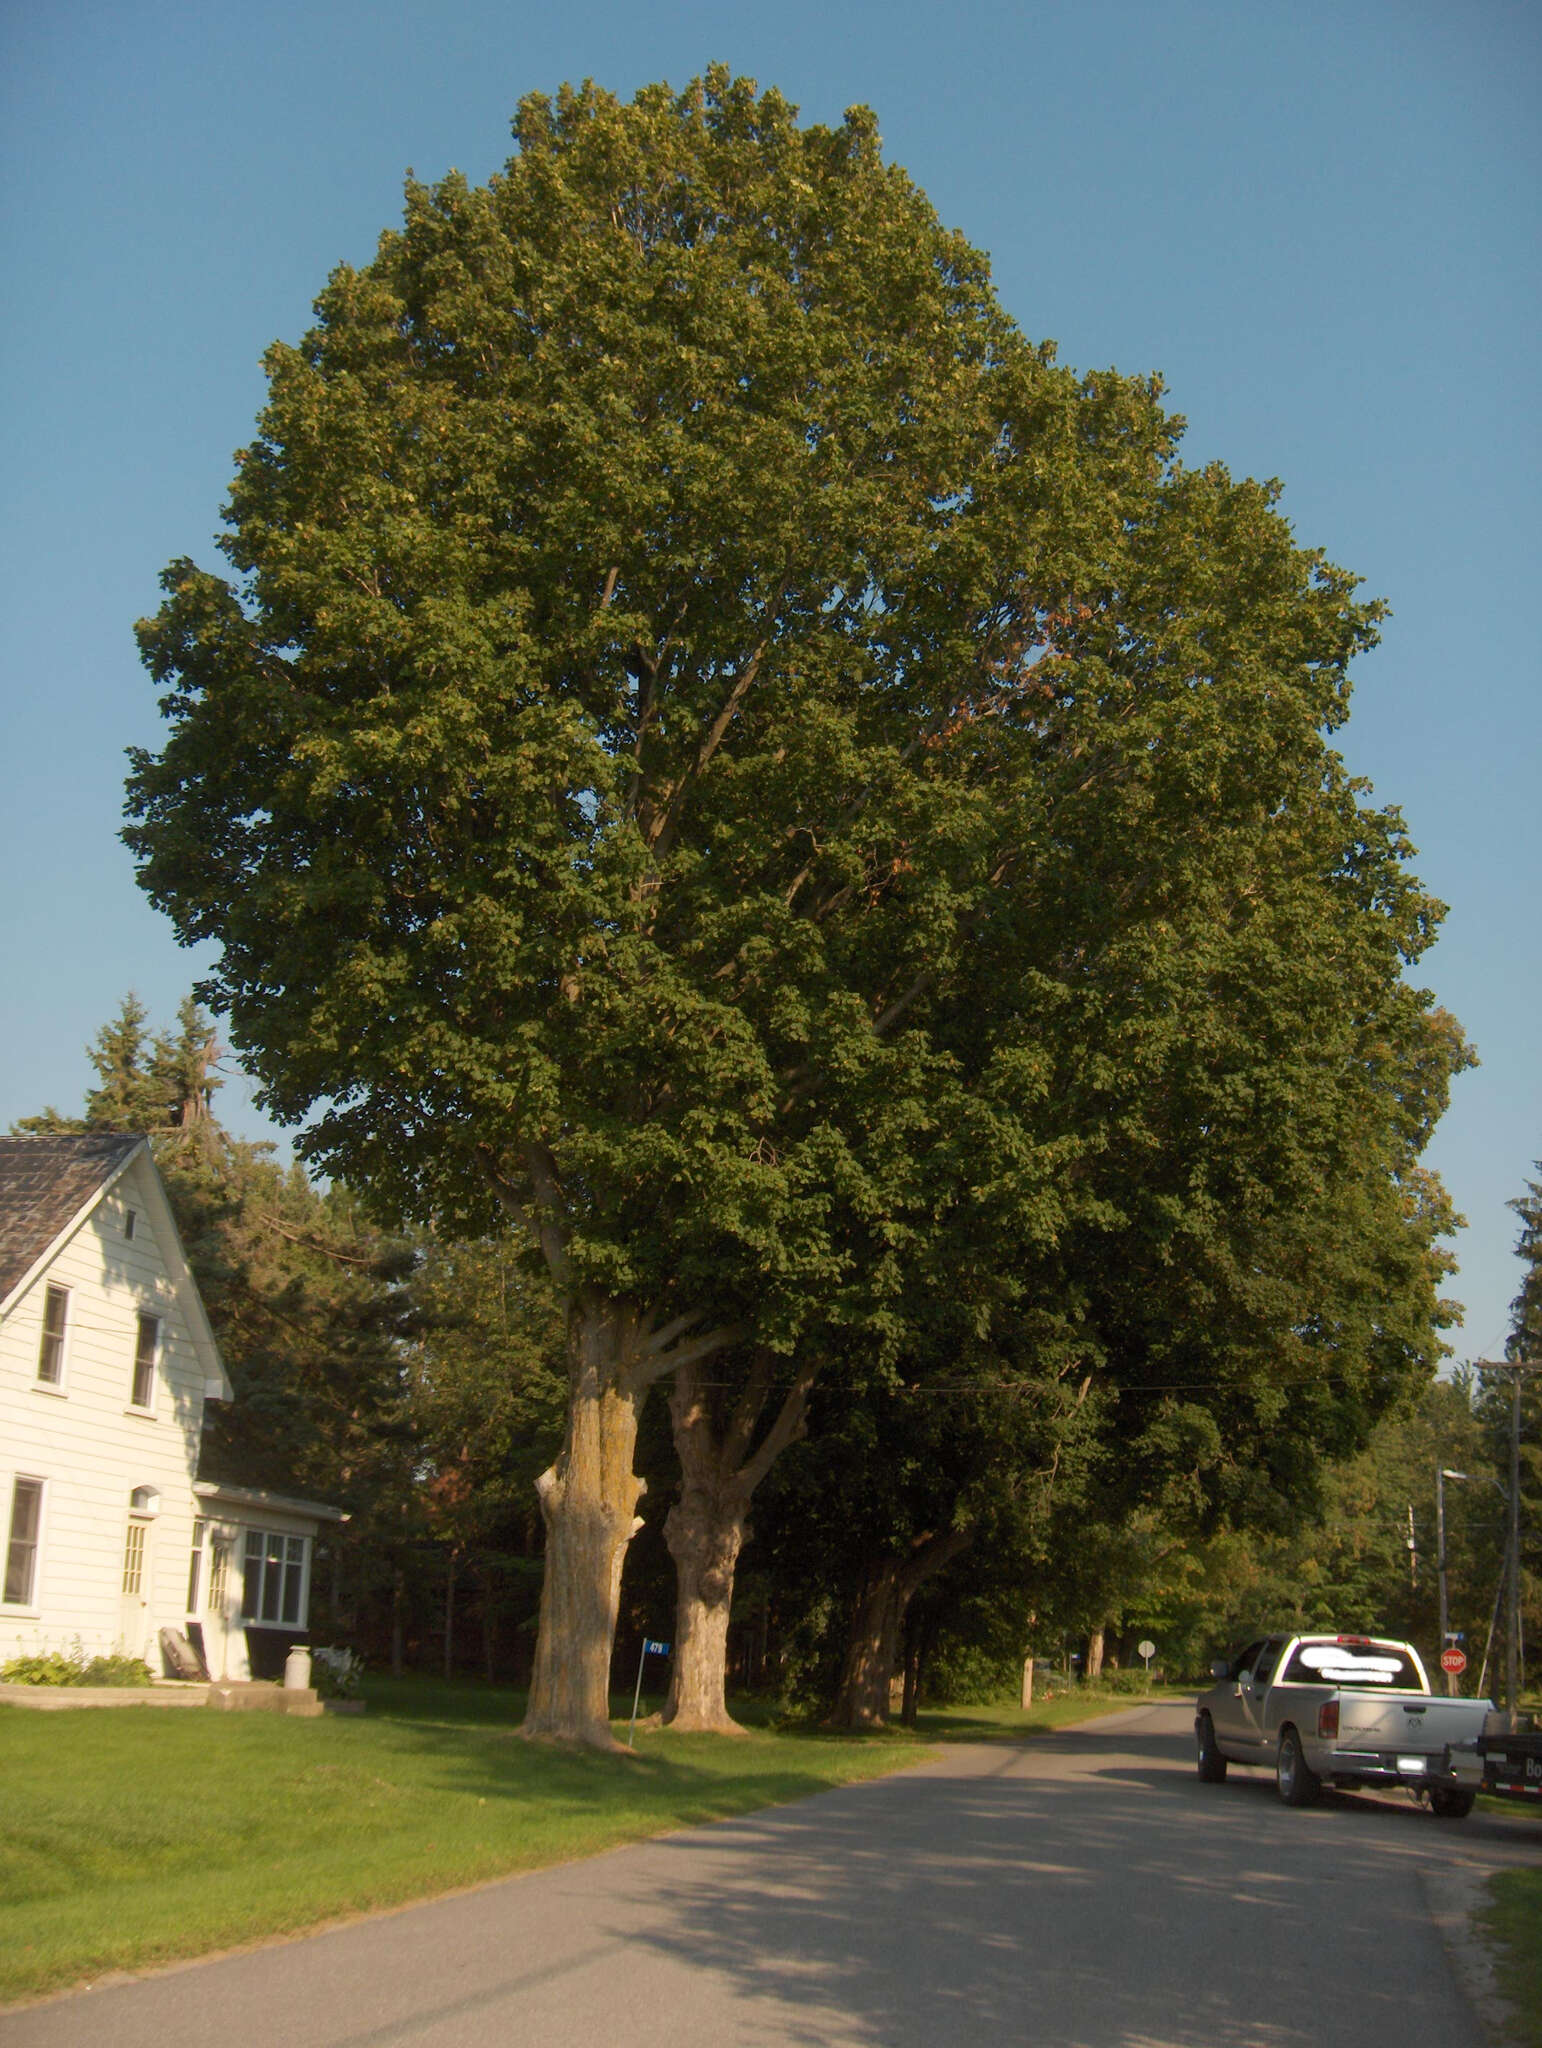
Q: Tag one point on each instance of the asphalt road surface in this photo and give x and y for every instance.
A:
(1083, 1891)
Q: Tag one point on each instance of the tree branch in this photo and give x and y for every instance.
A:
(786, 1429)
(651, 1365)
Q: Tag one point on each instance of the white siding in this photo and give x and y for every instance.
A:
(88, 1443)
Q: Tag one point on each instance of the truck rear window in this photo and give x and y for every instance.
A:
(1372, 1667)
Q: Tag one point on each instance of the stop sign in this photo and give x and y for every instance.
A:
(1453, 1660)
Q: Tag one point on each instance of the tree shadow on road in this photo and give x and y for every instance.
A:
(1123, 1907)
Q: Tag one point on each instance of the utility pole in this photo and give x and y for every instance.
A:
(1518, 1369)
(1440, 1566)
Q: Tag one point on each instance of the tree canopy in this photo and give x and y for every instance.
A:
(716, 748)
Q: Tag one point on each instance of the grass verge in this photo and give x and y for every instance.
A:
(134, 1837)
(1512, 1922)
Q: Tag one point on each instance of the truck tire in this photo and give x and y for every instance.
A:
(1299, 1785)
(1209, 1760)
(1448, 1802)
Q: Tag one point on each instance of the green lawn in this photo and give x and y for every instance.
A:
(1513, 1923)
(134, 1836)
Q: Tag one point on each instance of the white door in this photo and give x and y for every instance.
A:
(134, 1622)
(224, 1642)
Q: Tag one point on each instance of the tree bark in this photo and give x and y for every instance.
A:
(872, 1647)
(706, 1528)
(704, 1535)
(589, 1503)
(1095, 1644)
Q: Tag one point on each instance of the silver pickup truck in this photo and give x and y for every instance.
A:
(1340, 1710)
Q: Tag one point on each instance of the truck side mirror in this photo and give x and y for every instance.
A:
(1220, 1668)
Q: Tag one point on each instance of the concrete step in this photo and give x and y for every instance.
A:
(260, 1696)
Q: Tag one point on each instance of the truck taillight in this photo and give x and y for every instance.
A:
(1328, 1720)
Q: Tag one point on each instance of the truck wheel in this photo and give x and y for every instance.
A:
(1446, 1803)
(1299, 1785)
(1211, 1764)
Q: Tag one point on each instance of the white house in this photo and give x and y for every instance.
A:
(106, 1360)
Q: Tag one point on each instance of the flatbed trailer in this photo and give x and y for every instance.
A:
(1512, 1760)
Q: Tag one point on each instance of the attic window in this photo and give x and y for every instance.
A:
(50, 1358)
(148, 1339)
(130, 1218)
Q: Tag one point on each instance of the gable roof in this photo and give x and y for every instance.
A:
(48, 1185)
(45, 1182)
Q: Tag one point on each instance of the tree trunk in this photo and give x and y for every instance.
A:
(489, 1625)
(872, 1648)
(449, 1618)
(704, 1534)
(918, 1650)
(706, 1528)
(1095, 1651)
(589, 1502)
(398, 1664)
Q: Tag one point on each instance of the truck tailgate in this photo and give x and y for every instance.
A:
(1415, 1722)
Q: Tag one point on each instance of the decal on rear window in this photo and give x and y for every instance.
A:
(1373, 1664)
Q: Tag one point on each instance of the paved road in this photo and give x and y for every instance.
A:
(1083, 1891)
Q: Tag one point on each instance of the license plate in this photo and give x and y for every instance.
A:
(1411, 1763)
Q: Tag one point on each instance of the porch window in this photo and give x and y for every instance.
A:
(195, 1567)
(274, 1585)
(21, 1551)
(50, 1357)
(145, 1348)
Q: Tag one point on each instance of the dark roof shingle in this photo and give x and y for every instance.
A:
(44, 1181)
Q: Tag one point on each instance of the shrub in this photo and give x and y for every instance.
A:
(72, 1667)
(49, 1667)
(336, 1673)
(117, 1671)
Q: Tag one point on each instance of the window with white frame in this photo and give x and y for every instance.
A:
(21, 1550)
(219, 1575)
(146, 1344)
(273, 1588)
(195, 1567)
(50, 1357)
(134, 1558)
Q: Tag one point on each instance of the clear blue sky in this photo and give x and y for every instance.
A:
(1318, 221)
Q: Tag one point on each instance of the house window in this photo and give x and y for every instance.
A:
(130, 1218)
(21, 1552)
(144, 1360)
(274, 1585)
(134, 1559)
(195, 1567)
(50, 1357)
(219, 1575)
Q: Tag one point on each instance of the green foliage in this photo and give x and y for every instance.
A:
(59, 1667)
(149, 1085)
(715, 750)
(337, 1674)
(46, 1667)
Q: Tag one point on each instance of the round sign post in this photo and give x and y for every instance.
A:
(1454, 1661)
(1147, 1649)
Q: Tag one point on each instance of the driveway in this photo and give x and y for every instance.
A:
(1082, 1890)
